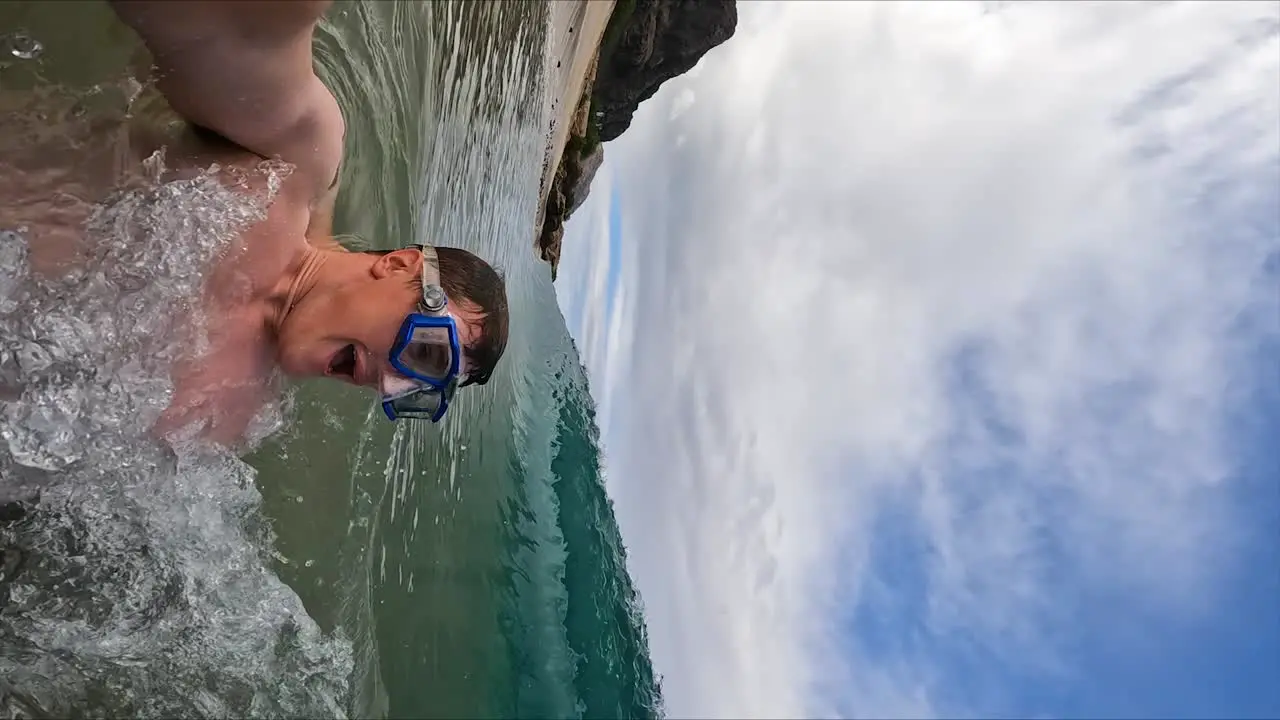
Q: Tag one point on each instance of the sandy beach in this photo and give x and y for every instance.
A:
(577, 28)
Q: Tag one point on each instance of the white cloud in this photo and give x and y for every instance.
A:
(682, 102)
(974, 271)
(584, 269)
(601, 324)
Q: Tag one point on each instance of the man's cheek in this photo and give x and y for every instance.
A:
(379, 335)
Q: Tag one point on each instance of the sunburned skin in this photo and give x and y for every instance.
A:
(263, 307)
(282, 296)
(51, 186)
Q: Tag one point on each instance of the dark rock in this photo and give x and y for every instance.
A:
(556, 200)
(551, 249)
(582, 186)
(658, 41)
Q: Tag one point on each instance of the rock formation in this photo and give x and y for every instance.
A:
(646, 43)
(658, 41)
(586, 173)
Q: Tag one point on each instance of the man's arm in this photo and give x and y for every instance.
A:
(320, 226)
(243, 70)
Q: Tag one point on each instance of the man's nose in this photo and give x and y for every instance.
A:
(391, 383)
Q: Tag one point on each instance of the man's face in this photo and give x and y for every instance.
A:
(345, 330)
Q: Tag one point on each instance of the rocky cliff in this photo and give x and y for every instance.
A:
(652, 42)
(588, 166)
(646, 43)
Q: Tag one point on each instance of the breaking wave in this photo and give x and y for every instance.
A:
(136, 578)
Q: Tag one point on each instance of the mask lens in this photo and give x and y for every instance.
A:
(422, 404)
(406, 398)
(428, 352)
(394, 385)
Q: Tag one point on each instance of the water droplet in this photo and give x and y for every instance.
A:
(33, 358)
(309, 563)
(24, 47)
(298, 499)
(131, 89)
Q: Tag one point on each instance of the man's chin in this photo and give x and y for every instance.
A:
(297, 368)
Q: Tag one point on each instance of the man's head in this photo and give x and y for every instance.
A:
(349, 310)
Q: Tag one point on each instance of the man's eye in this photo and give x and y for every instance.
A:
(427, 355)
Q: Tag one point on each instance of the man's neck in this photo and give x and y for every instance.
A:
(314, 270)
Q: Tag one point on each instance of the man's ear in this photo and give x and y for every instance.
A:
(406, 261)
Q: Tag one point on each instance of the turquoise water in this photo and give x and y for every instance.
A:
(468, 570)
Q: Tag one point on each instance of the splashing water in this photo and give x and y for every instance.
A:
(134, 575)
(23, 46)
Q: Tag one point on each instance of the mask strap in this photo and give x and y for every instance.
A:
(430, 265)
(433, 297)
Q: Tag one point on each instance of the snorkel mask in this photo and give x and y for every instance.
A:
(426, 354)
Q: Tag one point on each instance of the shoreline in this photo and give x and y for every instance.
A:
(571, 65)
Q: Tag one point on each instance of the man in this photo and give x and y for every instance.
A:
(243, 70)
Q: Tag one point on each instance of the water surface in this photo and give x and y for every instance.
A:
(351, 566)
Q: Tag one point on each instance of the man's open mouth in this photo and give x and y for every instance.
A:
(343, 363)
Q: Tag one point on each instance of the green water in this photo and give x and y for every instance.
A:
(476, 567)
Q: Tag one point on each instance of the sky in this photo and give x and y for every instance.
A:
(935, 346)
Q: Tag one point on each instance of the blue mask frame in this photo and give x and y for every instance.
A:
(440, 385)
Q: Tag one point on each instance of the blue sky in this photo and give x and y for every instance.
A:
(935, 353)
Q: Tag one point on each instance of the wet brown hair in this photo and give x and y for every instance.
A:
(466, 278)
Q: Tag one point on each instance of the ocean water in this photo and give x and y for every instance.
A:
(346, 566)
